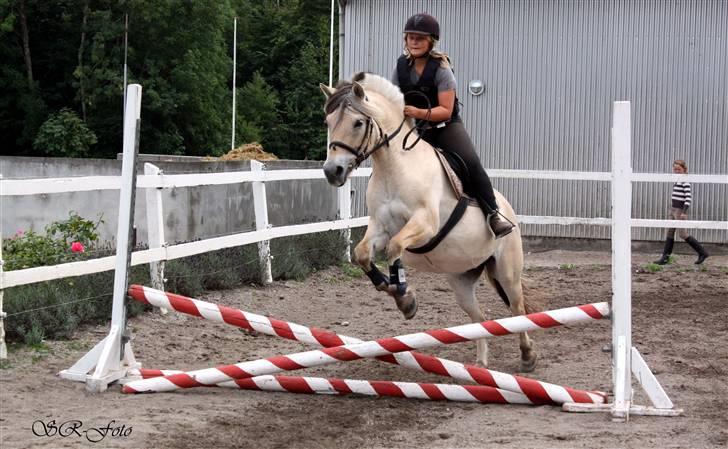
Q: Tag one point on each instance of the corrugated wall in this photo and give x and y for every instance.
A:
(551, 71)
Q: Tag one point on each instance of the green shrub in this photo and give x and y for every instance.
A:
(64, 134)
(54, 309)
(30, 249)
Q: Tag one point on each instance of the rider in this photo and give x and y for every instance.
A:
(424, 69)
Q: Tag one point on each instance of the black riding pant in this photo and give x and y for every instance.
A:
(453, 138)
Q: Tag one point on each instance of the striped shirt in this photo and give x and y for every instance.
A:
(681, 196)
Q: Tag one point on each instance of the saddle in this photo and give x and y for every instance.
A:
(456, 171)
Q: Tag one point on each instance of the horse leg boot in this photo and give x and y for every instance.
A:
(420, 228)
(669, 242)
(406, 300)
(702, 254)
(363, 254)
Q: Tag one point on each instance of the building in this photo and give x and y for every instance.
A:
(550, 71)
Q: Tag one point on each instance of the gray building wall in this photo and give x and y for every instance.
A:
(551, 71)
(189, 213)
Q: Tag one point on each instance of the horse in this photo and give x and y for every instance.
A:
(410, 199)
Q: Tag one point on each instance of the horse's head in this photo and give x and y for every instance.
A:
(355, 122)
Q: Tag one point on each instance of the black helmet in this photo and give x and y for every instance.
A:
(423, 24)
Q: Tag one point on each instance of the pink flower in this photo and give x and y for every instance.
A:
(19, 233)
(77, 247)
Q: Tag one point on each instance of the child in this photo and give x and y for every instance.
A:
(681, 201)
(426, 70)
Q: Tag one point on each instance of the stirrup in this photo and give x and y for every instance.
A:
(505, 228)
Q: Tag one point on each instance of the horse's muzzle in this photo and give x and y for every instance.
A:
(335, 173)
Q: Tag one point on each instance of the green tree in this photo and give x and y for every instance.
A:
(64, 134)
(258, 114)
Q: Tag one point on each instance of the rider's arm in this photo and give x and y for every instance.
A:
(439, 113)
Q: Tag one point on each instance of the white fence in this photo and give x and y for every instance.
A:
(159, 251)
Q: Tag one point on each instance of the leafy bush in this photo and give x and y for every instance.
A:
(64, 134)
(54, 309)
(29, 249)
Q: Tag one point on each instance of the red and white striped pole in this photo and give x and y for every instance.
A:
(538, 392)
(372, 349)
(333, 386)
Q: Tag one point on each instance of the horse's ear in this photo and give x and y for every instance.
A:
(358, 90)
(328, 91)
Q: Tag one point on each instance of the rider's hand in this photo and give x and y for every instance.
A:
(411, 111)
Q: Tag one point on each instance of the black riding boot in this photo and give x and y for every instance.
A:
(669, 242)
(702, 254)
(500, 225)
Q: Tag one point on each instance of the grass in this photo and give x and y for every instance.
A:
(567, 266)
(653, 268)
(351, 270)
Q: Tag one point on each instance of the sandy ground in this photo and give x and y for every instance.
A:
(679, 327)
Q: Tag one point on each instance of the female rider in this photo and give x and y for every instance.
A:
(423, 69)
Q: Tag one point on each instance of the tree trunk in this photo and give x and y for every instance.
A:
(26, 42)
(80, 61)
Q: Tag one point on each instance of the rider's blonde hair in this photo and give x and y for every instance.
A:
(434, 53)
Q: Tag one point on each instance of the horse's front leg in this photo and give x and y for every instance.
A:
(419, 229)
(364, 257)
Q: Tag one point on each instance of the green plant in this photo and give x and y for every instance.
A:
(653, 268)
(30, 249)
(351, 270)
(567, 266)
(64, 134)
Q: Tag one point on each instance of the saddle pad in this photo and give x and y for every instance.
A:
(455, 182)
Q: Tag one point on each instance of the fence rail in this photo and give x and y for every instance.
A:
(10, 187)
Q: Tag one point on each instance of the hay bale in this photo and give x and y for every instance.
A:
(246, 152)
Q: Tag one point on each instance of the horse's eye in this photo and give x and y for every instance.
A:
(358, 123)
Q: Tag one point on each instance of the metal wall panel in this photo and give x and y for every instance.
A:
(551, 70)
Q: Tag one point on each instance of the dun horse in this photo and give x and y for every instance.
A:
(410, 200)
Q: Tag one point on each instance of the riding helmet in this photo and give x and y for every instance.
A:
(423, 24)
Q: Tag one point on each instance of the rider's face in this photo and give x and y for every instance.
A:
(417, 44)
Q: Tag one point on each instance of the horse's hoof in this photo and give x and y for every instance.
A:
(529, 365)
(407, 304)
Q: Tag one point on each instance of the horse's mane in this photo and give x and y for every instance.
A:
(370, 82)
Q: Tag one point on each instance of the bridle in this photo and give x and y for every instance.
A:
(362, 152)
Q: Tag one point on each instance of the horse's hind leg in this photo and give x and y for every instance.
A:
(507, 282)
(463, 286)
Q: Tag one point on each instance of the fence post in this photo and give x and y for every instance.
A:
(155, 229)
(3, 346)
(344, 196)
(261, 223)
(621, 140)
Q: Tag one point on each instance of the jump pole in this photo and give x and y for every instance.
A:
(538, 392)
(371, 349)
(333, 386)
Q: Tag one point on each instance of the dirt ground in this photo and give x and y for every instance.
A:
(679, 322)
